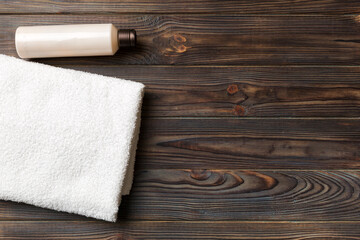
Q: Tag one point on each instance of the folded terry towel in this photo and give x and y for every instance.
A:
(67, 138)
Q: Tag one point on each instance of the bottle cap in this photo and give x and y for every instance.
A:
(127, 38)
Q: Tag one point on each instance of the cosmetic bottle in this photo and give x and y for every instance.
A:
(71, 40)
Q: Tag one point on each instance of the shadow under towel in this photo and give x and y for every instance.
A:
(67, 138)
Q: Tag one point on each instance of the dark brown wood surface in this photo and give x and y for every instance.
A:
(214, 39)
(251, 118)
(249, 144)
(189, 91)
(225, 195)
(175, 6)
(148, 230)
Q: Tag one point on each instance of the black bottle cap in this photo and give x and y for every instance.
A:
(127, 38)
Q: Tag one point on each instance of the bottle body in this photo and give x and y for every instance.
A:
(66, 40)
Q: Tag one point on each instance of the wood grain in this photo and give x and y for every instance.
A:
(214, 39)
(217, 195)
(243, 91)
(199, 6)
(242, 137)
(250, 143)
(178, 230)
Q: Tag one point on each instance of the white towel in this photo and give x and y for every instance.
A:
(67, 138)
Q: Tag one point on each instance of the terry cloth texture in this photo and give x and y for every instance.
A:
(67, 138)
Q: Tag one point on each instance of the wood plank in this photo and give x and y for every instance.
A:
(179, 230)
(250, 143)
(10, 211)
(219, 195)
(244, 195)
(243, 91)
(214, 40)
(199, 6)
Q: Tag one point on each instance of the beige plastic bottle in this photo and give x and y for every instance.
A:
(71, 40)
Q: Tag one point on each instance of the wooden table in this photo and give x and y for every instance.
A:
(250, 125)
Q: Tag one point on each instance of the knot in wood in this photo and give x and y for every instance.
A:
(232, 89)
